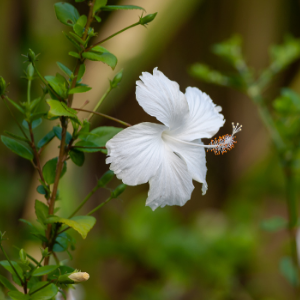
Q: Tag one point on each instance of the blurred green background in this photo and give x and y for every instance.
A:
(214, 247)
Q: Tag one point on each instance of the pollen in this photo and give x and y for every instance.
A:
(226, 142)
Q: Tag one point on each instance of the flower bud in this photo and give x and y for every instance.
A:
(31, 56)
(2, 86)
(106, 178)
(114, 83)
(30, 71)
(23, 255)
(118, 191)
(147, 19)
(79, 277)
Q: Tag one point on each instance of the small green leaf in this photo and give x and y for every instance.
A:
(74, 54)
(61, 242)
(74, 42)
(5, 264)
(46, 139)
(17, 106)
(17, 148)
(66, 13)
(81, 71)
(41, 211)
(82, 20)
(49, 170)
(98, 19)
(80, 89)
(100, 135)
(78, 30)
(66, 70)
(274, 224)
(18, 137)
(77, 38)
(289, 270)
(59, 84)
(41, 190)
(95, 54)
(7, 283)
(58, 109)
(99, 4)
(34, 124)
(82, 224)
(16, 295)
(46, 293)
(86, 146)
(57, 131)
(77, 157)
(121, 7)
(44, 270)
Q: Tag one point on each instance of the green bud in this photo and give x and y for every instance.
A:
(118, 191)
(23, 255)
(114, 83)
(45, 252)
(31, 56)
(147, 19)
(106, 178)
(2, 86)
(30, 71)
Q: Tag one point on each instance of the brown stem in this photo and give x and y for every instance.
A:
(103, 115)
(36, 154)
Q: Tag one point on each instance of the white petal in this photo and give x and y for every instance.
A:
(204, 120)
(161, 98)
(194, 157)
(172, 184)
(136, 152)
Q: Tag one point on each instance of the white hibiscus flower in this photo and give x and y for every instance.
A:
(169, 156)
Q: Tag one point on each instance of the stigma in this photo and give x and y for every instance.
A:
(226, 142)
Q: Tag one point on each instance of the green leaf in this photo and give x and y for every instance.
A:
(5, 264)
(57, 131)
(34, 103)
(66, 13)
(61, 242)
(74, 42)
(80, 89)
(86, 146)
(44, 270)
(16, 295)
(58, 109)
(81, 71)
(49, 170)
(41, 190)
(274, 224)
(82, 20)
(100, 135)
(99, 4)
(121, 7)
(66, 70)
(99, 53)
(34, 124)
(77, 157)
(74, 54)
(77, 38)
(46, 139)
(18, 137)
(17, 106)
(82, 224)
(41, 211)
(44, 294)
(7, 283)
(289, 270)
(59, 84)
(17, 148)
(78, 30)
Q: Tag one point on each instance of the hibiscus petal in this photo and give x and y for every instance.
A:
(194, 157)
(204, 119)
(161, 98)
(172, 184)
(136, 153)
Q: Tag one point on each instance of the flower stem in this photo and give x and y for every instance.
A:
(99, 206)
(103, 115)
(111, 36)
(100, 101)
(84, 201)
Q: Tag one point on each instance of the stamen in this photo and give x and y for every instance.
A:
(226, 142)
